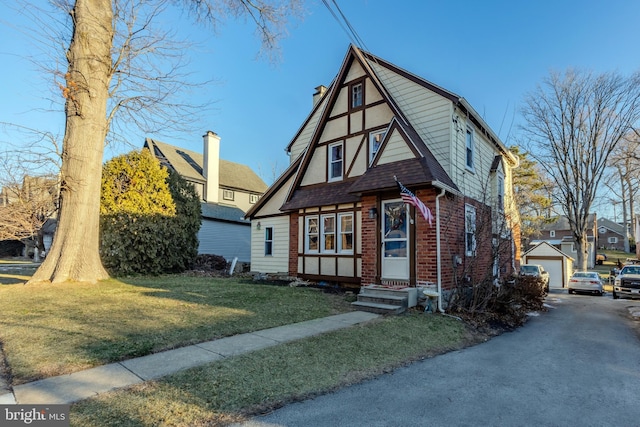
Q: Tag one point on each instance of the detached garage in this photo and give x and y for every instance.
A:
(559, 265)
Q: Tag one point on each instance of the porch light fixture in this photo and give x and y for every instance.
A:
(373, 213)
(258, 225)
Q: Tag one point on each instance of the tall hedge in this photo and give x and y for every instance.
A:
(149, 217)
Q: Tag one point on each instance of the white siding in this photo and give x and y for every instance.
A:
(429, 113)
(225, 239)
(395, 150)
(304, 138)
(278, 262)
(272, 206)
(354, 72)
(317, 170)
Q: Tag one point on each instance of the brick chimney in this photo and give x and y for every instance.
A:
(211, 166)
(320, 91)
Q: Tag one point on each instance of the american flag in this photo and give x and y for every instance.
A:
(410, 198)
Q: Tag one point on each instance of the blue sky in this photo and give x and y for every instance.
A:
(490, 52)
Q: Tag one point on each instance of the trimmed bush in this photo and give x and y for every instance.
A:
(150, 217)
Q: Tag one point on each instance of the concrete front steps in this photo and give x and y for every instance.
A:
(385, 300)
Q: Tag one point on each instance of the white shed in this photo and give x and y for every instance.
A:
(558, 264)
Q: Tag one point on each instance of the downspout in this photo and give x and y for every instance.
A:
(438, 256)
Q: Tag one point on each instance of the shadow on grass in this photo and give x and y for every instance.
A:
(53, 329)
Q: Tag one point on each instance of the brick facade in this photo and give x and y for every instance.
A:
(455, 265)
(370, 236)
(293, 244)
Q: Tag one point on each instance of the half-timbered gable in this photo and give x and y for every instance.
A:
(377, 125)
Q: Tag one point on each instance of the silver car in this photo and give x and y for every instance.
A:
(586, 281)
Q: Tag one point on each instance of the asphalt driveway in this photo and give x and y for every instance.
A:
(576, 365)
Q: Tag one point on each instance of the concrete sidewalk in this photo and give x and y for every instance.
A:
(71, 388)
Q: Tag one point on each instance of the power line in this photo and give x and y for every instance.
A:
(344, 23)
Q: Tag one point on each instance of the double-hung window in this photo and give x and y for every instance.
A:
(469, 149)
(470, 230)
(328, 233)
(357, 95)
(312, 235)
(345, 242)
(375, 139)
(500, 191)
(336, 160)
(268, 241)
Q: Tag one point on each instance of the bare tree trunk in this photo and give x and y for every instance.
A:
(74, 254)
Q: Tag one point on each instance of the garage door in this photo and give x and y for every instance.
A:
(554, 267)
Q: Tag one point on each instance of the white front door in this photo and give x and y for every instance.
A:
(395, 240)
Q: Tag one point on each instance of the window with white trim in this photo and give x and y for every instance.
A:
(612, 239)
(552, 233)
(345, 230)
(227, 194)
(311, 235)
(328, 233)
(357, 95)
(253, 198)
(375, 139)
(469, 149)
(336, 154)
(268, 241)
(470, 230)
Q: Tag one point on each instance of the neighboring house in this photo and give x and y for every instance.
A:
(612, 235)
(336, 213)
(558, 233)
(227, 191)
(27, 212)
(557, 263)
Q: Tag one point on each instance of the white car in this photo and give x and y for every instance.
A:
(586, 281)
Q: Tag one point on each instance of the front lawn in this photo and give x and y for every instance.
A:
(48, 330)
(233, 389)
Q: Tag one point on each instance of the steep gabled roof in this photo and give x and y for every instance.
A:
(386, 71)
(426, 170)
(189, 165)
(275, 187)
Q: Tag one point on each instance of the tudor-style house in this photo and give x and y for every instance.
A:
(227, 189)
(336, 213)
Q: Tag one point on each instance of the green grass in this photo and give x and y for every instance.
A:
(230, 390)
(48, 330)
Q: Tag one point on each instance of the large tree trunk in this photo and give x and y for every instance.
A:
(582, 254)
(74, 254)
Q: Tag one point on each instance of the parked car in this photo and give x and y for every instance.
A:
(536, 270)
(627, 282)
(586, 281)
